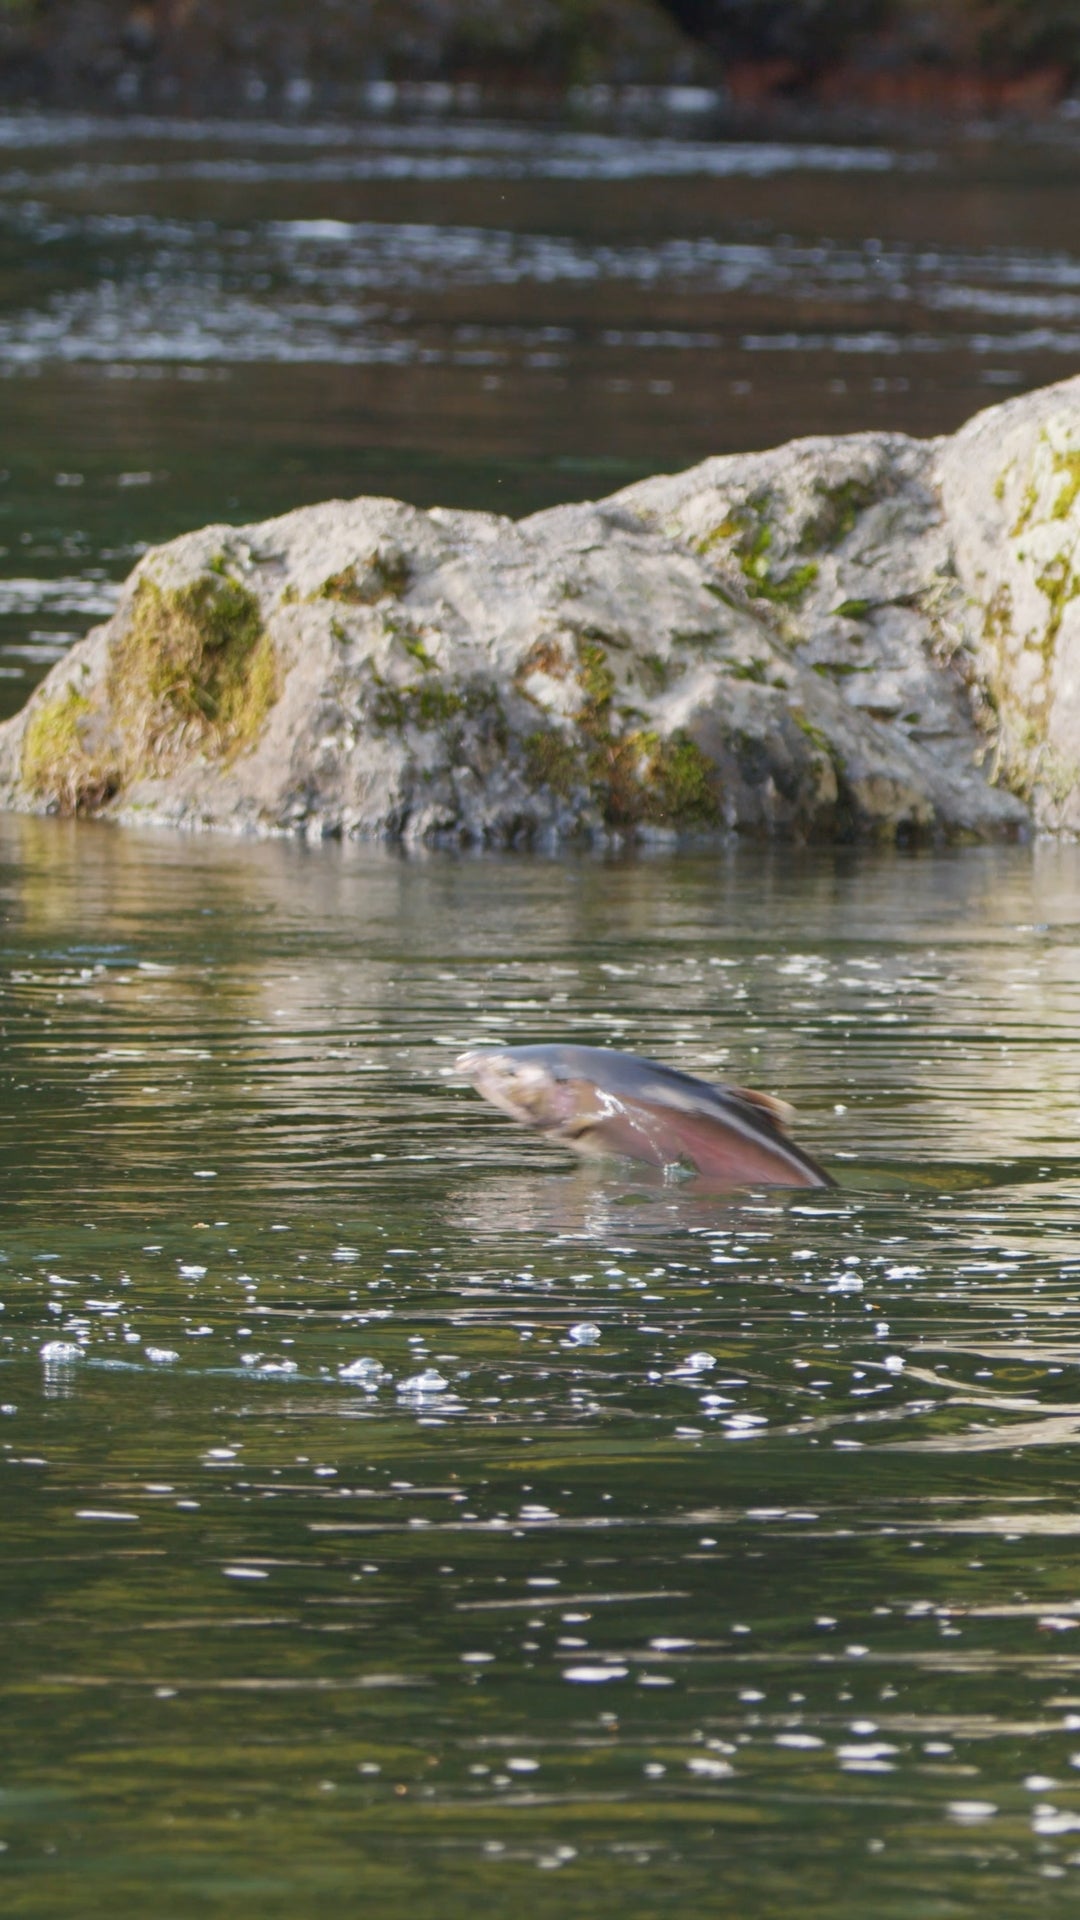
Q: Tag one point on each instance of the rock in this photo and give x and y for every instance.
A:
(861, 636)
(1010, 489)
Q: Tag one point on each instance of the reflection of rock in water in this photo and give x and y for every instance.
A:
(590, 1203)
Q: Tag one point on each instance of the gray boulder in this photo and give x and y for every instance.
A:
(860, 636)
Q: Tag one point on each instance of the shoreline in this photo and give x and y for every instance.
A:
(706, 114)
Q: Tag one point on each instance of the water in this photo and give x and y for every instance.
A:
(206, 321)
(397, 1517)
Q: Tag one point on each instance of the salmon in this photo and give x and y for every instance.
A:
(598, 1101)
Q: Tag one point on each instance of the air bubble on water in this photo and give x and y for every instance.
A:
(845, 1283)
(345, 1254)
(584, 1334)
(368, 1371)
(191, 1272)
(245, 1573)
(967, 1812)
(893, 1363)
(696, 1363)
(161, 1356)
(709, 1769)
(430, 1381)
(60, 1353)
(522, 1765)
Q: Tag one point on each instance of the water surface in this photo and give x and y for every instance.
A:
(398, 1518)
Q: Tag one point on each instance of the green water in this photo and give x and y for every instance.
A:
(731, 1568)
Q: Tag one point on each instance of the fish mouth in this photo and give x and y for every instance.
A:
(467, 1062)
(475, 1059)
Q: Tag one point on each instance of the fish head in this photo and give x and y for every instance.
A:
(523, 1087)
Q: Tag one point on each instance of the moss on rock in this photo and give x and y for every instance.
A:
(635, 778)
(57, 764)
(684, 785)
(747, 528)
(1068, 465)
(553, 760)
(1060, 585)
(835, 514)
(436, 703)
(384, 576)
(193, 670)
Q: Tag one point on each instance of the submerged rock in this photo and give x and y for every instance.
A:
(859, 636)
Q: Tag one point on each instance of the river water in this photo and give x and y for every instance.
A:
(396, 1517)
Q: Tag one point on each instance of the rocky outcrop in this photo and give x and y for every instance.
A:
(864, 636)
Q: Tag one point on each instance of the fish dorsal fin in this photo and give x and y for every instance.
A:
(778, 1111)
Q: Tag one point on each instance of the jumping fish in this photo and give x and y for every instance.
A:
(598, 1101)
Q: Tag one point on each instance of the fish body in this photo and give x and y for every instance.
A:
(598, 1101)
